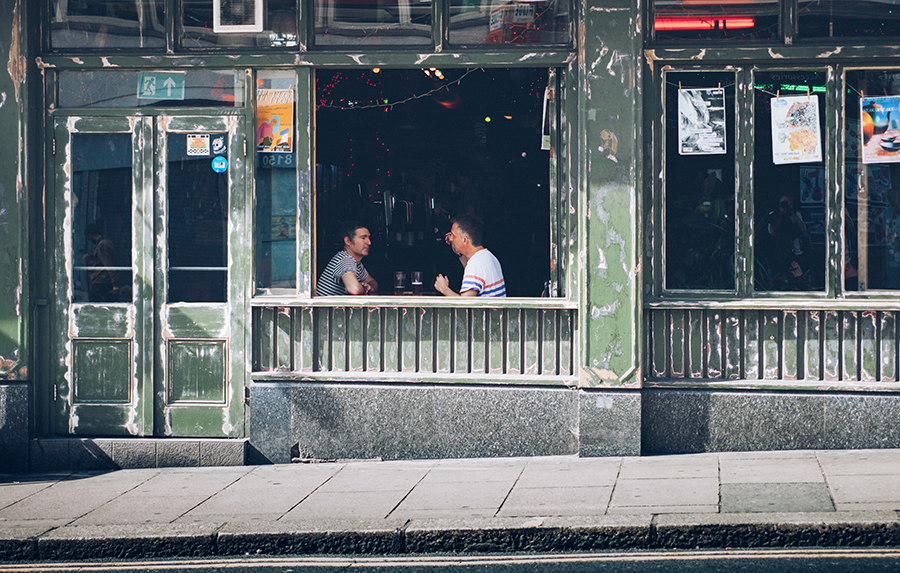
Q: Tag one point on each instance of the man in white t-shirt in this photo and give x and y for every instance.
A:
(483, 275)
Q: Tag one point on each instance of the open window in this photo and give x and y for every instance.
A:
(403, 151)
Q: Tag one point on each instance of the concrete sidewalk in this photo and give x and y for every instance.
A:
(749, 499)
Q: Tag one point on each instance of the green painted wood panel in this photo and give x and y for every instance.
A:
(114, 358)
(284, 340)
(888, 346)
(496, 341)
(324, 336)
(391, 355)
(752, 354)
(356, 354)
(850, 346)
(374, 339)
(659, 320)
(264, 319)
(426, 339)
(714, 355)
(566, 346)
(677, 332)
(514, 341)
(408, 339)
(694, 337)
(549, 332)
(868, 346)
(790, 346)
(531, 347)
(339, 339)
(812, 345)
(479, 338)
(461, 341)
(771, 344)
(444, 345)
(732, 344)
(197, 371)
(304, 339)
(831, 346)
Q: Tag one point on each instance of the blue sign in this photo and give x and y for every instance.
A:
(219, 164)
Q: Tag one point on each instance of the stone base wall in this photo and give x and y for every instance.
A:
(318, 421)
(15, 412)
(691, 421)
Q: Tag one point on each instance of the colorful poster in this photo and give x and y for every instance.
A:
(284, 228)
(795, 130)
(880, 129)
(275, 120)
(701, 121)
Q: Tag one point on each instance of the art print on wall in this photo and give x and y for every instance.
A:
(701, 121)
(796, 137)
(880, 129)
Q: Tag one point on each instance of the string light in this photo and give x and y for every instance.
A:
(386, 104)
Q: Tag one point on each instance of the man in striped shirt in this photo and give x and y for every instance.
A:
(345, 273)
(483, 275)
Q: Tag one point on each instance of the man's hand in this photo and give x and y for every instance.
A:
(442, 285)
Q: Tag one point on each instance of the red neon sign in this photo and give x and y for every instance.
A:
(729, 23)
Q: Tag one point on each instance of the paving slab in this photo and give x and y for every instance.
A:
(775, 498)
(556, 501)
(670, 467)
(346, 505)
(595, 474)
(666, 493)
(856, 462)
(770, 470)
(865, 488)
(391, 478)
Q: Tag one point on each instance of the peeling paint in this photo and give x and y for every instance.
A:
(16, 66)
(107, 64)
(41, 65)
(77, 60)
(831, 53)
(774, 55)
(700, 55)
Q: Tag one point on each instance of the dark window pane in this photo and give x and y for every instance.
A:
(789, 199)
(101, 217)
(197, 209)
(515, 22)
(699, 209)
(117, 89)
(872, 182)
(236, 20)
(373, 22)
(108, 24)
(699, 20)
(849, 18)
(472, 147)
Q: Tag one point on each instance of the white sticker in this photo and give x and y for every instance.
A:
(198, 144)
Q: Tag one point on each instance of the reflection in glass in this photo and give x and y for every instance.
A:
(848, 18)
(276, 181)
(279, 27)
(789, 200)
(509, 22)
(872, 190)
(373, 22)
(108, 24)
(197, 201)
(101, 217)
(119, 88)
(699, 204)
(707, 20)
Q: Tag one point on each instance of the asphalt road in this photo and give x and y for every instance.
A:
(736, 561)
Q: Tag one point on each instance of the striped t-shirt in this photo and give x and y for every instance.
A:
(484, 275)
(330, 282)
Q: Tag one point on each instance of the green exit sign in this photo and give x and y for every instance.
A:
(161, 86)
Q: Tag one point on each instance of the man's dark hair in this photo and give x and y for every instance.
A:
(348, 229)
(471, 226)
(92, 229)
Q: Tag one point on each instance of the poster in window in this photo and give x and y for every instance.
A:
(880, 129)
(795, 130)
(275, 120)
(701, 121)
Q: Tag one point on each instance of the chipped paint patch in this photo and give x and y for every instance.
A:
(77, 60)
(834, 52)
(773, 55)
(107, 64)
(16, 66)
(42, 65)
(598, 312)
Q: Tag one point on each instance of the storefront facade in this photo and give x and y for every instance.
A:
(179, 170)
